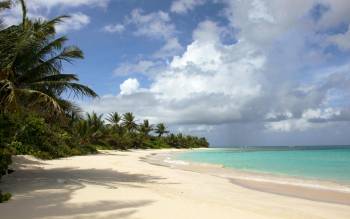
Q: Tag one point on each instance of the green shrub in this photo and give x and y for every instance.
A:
(5, 160)
(9, 124)
(28, 133)
(157, 143)
(21, 149)
(4, 197)
(85, 149)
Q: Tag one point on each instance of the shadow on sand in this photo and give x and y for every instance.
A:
(48, 192)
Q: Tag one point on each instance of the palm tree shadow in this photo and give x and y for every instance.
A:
(106, 152)
(124, 214)
(48, 191)
(54, 204)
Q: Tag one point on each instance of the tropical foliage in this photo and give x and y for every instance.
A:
(31, 67)
(36, 119)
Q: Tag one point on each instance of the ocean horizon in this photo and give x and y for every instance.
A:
(330, 163)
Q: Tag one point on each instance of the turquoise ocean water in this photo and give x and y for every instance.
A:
(325, 163)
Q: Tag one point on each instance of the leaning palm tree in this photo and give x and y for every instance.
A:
(161, 129)
(31, 67)
(128, 122)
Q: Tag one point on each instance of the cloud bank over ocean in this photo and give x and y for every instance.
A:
(239, 72)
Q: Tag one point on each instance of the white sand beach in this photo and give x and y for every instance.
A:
(122, 185)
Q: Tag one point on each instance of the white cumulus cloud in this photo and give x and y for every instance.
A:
(153, 25)
(171, 48)
(342, 40)
(35, 4)
(41, 9)
(268, 77)
(114, 28)
(183, 6)
(76, 21)
(129, 86)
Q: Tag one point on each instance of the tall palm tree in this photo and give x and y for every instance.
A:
(161, 129)
(128, 122)
(31, 67)
(114, 118)
(145, 128)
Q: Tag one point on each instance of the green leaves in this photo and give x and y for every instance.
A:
(53, 46)
(31, 66)
(39, 99)
(161, 129)
(145, 128)
(114, 118)
(128, 122)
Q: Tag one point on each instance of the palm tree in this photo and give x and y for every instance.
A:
(128, 122)
(70, 117)
(114, 118)
(31, 67)
(145, 128)
(90, 130)
(94, 121)
(161, 129)
(82, 131)
(97, 131)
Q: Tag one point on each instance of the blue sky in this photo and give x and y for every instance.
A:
(116, 48)
(252, 72)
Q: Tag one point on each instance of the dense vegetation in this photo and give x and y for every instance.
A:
(29, 133)
(35, 119)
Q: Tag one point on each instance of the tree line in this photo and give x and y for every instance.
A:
(36, 119)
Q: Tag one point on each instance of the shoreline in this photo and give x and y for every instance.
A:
(122, 184)
(298, 187)
(266, 175)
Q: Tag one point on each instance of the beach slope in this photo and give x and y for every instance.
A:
(122, 185)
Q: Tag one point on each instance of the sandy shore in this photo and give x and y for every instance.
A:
(122, 185)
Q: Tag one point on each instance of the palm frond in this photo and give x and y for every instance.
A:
(5, 5)
(7, 93)
(58, 78)
(60, 86)
(81, 90)
(52, 46)
(45, 28)
(70, 53)
(114, 118)
(37, 98)
(31, 65)
(54, 63)
(70, 108)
